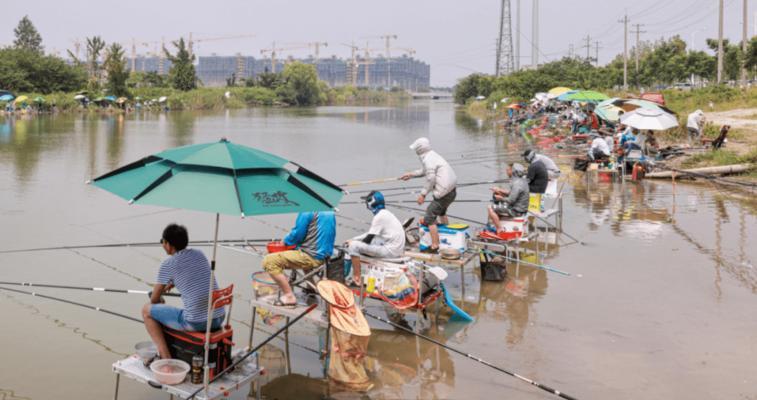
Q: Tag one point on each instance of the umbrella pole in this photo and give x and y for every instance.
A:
(206, 375)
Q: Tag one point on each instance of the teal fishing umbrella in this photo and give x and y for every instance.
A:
(221, 178)
(583, 95)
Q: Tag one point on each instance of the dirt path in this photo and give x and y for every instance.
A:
(743, 118)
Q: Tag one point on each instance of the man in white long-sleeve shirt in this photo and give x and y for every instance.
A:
(440, 181)
(385, 238)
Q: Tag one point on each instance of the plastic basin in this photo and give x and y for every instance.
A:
(170, 372)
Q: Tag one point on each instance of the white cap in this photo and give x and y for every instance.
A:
(421, 144)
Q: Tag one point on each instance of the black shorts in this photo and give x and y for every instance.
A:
(438, 207)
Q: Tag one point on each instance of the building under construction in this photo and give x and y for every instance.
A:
(404, 72)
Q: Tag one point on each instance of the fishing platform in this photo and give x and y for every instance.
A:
(234, 385)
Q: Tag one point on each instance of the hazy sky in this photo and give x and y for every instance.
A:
(454, 37)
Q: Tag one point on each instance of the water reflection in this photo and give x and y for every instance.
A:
(182, 126)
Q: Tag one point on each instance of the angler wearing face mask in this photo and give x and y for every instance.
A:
(385, 238)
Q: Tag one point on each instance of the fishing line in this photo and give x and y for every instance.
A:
(62, 324)
(111, 267)
(474, 358)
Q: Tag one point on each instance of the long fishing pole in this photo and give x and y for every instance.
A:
(449, 215)
(119, 314)
(91, 289)
(256, 348)
(72, 303)
(369, 182)
(474, 358)
(131, 244)
(413, 201)
(562, 232)
(540, 266)
(464, 184)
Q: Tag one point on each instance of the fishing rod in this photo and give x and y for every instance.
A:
(91, 289)
(72, 303)
(255, 349)
(119, 314)
(413, 201)
(465, 184)
(474, 358)
(540, 266)
(370, 182)
(131, 244)
(562, 232)
(449, 215)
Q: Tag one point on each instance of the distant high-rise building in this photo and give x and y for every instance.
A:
(406, 72)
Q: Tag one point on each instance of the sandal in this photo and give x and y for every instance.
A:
(279, 303)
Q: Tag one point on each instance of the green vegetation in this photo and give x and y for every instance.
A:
(27, 37)
(182, 74)
(115, 65)
(720, 157)
(24, 69)
(663, 63)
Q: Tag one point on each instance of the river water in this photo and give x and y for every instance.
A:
(661, 304)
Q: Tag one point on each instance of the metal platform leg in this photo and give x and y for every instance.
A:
(286, 347)
(252, 326)
(118, 380)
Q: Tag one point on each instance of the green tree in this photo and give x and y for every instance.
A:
(750, 58)
(28, 71)
(27, 37)
(471, 86)
(300, 86)
(95, 46)
(182, 74)
(268, 80)
(115, 66)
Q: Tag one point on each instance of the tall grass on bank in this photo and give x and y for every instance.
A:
(239, 97)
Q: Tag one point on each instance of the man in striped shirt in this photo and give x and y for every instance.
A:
(189, 271)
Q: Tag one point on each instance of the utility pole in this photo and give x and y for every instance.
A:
(743, 44)
(637, 49)
(720, 42)
(587, 46)
(505, 63)
(570, 50)
(517, 35)
(625, 50)
(535, 34)
(596, 49)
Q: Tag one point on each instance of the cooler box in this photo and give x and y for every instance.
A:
(449, 238)
(514, 228)
(184, 345)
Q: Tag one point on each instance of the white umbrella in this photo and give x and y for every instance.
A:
(80, 97)
(162, 99)
(643, 118)
(541, 96)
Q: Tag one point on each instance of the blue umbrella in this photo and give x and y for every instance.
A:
(110, 98)
(6, 97)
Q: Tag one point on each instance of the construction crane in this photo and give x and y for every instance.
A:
(352, 72)
(291, 46)
(191, 42)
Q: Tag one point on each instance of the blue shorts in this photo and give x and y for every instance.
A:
(173, 317)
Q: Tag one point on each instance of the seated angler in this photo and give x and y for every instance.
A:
(512, 202)
(385, 238)
(313, 235)
(189, 271)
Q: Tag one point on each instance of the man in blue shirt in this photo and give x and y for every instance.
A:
(189, 271)
(313, 235)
